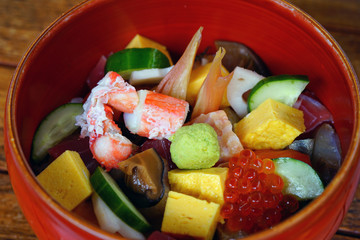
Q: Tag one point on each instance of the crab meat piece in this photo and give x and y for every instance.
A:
(157, 115)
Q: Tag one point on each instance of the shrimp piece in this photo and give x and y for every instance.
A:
(157, 115)
(117, 93)
(229, 142)
(112, 147)
(107, 144)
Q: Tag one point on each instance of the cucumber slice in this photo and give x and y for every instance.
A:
(133, 59)
(299, 178)
(57, 125)
(111, 194)
(282, 88)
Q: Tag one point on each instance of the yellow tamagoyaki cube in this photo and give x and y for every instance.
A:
(66, 179)
(272, 125)
(206, 184)
(188, 216)
(143, 42)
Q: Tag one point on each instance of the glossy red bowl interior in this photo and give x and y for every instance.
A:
(55, 67)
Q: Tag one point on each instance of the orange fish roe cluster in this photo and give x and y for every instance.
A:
(253, 198)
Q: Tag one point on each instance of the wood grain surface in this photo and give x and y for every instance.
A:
(21, 21)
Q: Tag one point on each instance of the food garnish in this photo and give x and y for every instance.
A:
(224, 156)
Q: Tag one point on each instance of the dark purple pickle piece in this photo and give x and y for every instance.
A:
(97, 73)
(76, 143)
(315, 113)
(157, 235)
(162, 147)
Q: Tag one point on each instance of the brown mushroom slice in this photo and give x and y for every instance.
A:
(155, 214)
(238, 54)
(143, 175)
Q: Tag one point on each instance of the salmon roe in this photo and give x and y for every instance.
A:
(253, 194)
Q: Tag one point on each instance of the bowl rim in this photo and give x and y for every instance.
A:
(350, 160)
(14, 141)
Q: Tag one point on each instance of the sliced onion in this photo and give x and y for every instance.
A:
(109, 222)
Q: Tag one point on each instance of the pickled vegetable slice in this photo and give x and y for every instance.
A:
(76, 143)
(315, 113)
(175, 83)
(162, 147)
(213, 88)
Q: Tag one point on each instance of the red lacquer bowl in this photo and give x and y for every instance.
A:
(55, 67)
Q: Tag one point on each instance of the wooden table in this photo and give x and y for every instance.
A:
(22, 21)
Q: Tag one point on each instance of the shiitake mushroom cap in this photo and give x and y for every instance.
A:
(143, 178)
(239, 54)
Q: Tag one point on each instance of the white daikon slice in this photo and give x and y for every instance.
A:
(148, 76)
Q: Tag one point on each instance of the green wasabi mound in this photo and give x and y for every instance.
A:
(195, 147)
